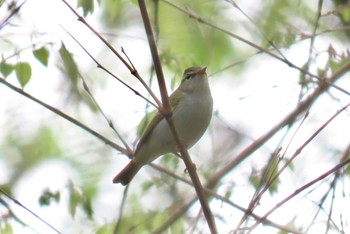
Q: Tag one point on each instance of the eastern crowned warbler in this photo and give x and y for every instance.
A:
(192, 107)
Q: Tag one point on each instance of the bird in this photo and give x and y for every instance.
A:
(192, 108)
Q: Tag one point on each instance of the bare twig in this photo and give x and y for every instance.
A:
(109, 121)
(234, 4)
(14, 11)
(27, 209)
(302, 188)
(65, 116)
(121, 208)
(99, 65)
(167, 115)
(131, 68)
(289, 119)
(262, 49)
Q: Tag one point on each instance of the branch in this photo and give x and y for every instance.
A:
(302, 188)
(31, 212)
(300, 108)
(259, 48)
(289, 119)
(65, 116)
(13, 12)
(167, 112)
(130, 67)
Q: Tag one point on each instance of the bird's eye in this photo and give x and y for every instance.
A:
(188, 76)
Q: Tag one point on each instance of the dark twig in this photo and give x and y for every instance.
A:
(168, 113)
(6, 20)
(253, 45)
(65, 116)
(109, 121)
(289, 119)
(302, 188)
(99, 65)
(121, 208)
(31, 212)
(131, 68)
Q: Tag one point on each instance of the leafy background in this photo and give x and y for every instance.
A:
(260, 58)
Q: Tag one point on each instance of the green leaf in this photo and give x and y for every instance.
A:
(79, 198)
(74, 198)
(69, 64)
(87, 206)
(6, 68)
(87, 6)
(23, 72)
(6, 228)
(42, 55)
(47, 197)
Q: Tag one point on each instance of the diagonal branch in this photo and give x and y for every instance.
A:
(167, 112)
(253, 45)
(130, 67)
(65, 116)
(299, 109)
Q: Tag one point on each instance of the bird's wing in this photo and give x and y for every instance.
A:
(157, 118)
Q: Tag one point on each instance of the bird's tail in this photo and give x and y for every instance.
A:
(127, 174)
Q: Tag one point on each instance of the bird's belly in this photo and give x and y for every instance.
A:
(191, 123)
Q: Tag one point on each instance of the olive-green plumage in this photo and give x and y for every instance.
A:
(192, 107)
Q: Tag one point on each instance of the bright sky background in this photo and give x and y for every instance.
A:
(255, 114)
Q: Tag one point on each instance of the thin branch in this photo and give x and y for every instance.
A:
(288, 120)
(131, 68)
(156, 61)
(332, 186)
(27, 209)
(312, 42)
(65, 116)
(313, 36)
(297, 152)
(302, 188)
(99, 65)
(234, 4)
(109, 121)
(121, 209)
(266, 51)
(10, 214)
(167, 115)
(81, 19)
(267, 180)
(15, 11)
(155, 166)
(181, 210)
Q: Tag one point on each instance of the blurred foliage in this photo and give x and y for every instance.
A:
(88, 6)
(188, 42)
(70, 66)
(183, 40)
(26, 153)
(6, 228)
(78, 198)
(145, 222)
(47, 197)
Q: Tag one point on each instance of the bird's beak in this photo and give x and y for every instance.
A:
(202, 71)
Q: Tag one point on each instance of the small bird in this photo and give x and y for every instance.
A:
(192, 107)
